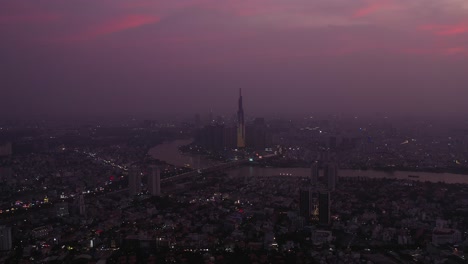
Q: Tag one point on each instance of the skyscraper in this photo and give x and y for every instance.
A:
(134, 180)
(257, 135)
(230, 137)
(324, 208)
(240, 123)
(61, 209)
(314, 173)
(305, 203)
(5, 238)
(331, 174)
(154, 181)
(81, 203)
(6, 149)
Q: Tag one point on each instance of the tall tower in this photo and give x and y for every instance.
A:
(240, 123)
(314, 173)
(154, 181)
(305, 203)
(5, 238)
(134, 180)
(324, 208)
(331, 174)
(82, 205)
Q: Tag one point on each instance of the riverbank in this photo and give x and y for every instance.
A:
(169, 152)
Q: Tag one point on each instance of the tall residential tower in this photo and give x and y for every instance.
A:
(134, 180)
(240, 123)
(154, 181)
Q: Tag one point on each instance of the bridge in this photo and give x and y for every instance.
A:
(219, 167)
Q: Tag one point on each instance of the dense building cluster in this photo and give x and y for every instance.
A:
(98, 194)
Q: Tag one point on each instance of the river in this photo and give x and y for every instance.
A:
(169, 152)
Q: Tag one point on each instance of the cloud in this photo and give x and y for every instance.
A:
(454, 30)
(440, 51)
(114, 26)
(456, 51)
(371, 7)
(446, 30)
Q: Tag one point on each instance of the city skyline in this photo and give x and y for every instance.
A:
(151, 58)
(228, 131)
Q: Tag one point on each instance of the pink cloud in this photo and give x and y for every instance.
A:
(418, 51)
(456, 30)
(441, 51)
(455, 51)
(113, 26)
(371, 7)
(447, 30)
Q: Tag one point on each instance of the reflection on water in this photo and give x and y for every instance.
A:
(169, 152)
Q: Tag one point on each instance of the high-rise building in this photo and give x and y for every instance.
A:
(154, 181)
(257, 136)
(134, 180)
(240, 123)
(324, 208)
(5, 238)
(212, 137)
(324, 156)
(305, 203)
(230, 137)
(61, 209)
(82, 206)
(6, 149)
(314, 173)
(331, 171)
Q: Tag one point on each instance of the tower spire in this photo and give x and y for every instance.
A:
(240, 123)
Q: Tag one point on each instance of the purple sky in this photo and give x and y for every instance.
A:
(132, 57)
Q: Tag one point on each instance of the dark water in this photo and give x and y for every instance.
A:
(170, 153)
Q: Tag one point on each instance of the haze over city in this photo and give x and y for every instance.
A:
(150, 57)
(234, 131)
